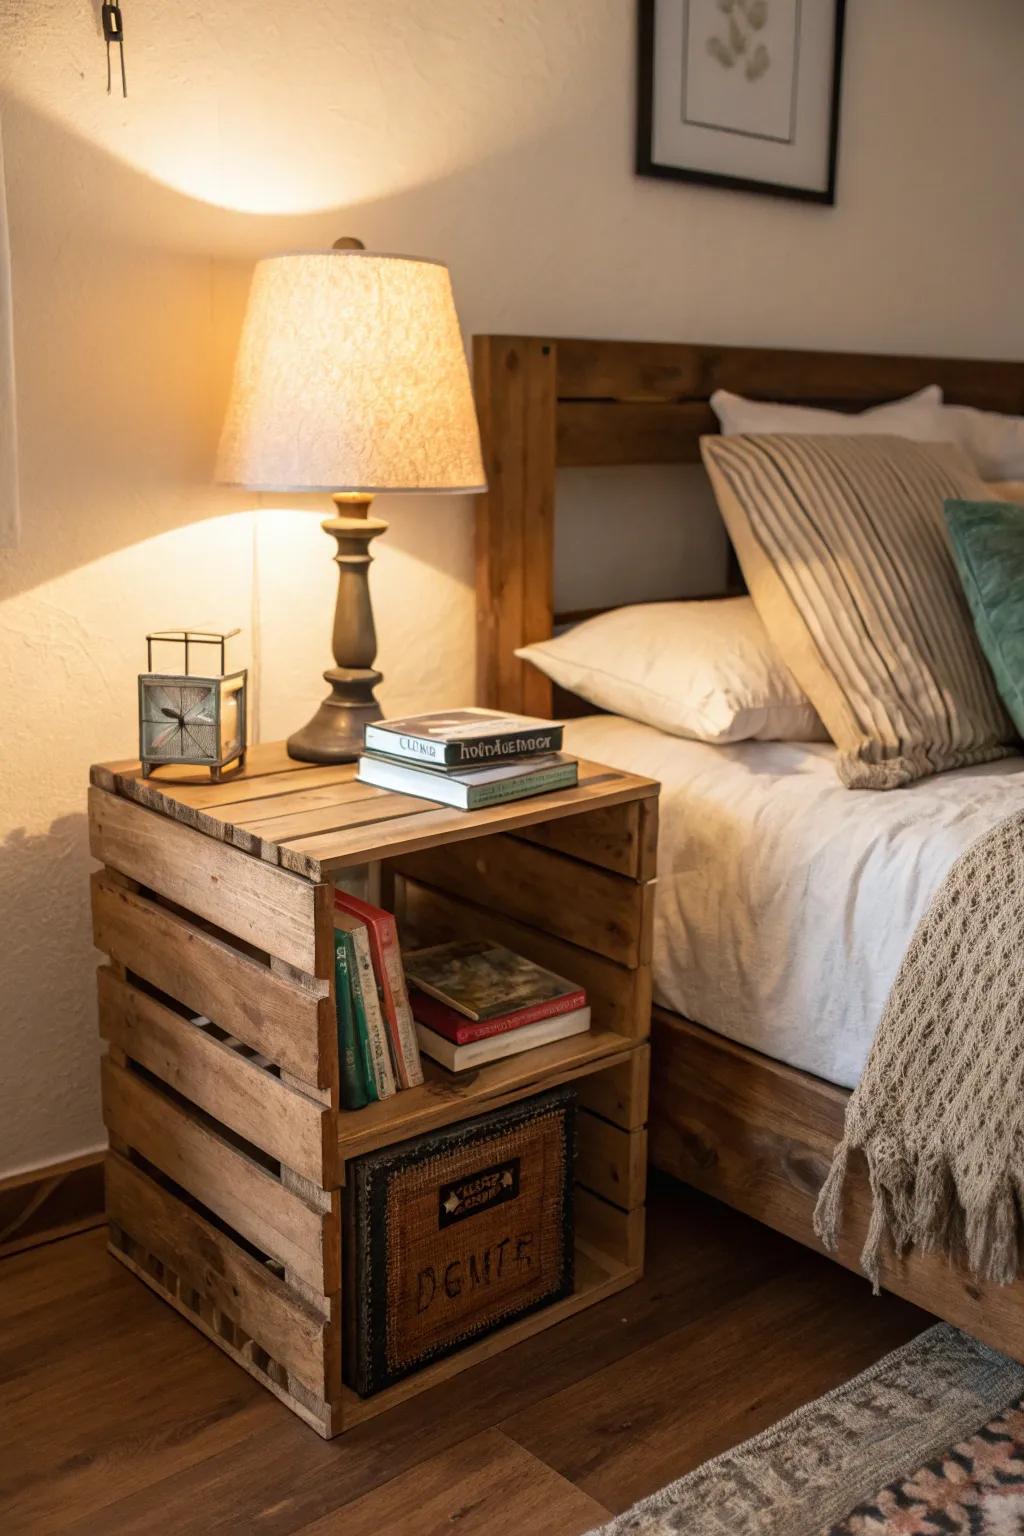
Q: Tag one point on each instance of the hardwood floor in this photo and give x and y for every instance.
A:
(115, 1416)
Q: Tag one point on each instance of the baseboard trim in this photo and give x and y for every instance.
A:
(52, 1202)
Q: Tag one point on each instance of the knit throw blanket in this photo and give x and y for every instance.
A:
(939, 1111)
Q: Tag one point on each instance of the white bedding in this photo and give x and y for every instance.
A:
(785, 901)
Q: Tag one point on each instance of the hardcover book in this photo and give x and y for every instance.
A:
(382, 933)
(463, 737)
(469, 789)
(454, 1026)
(366, 1001)
(483, 980)
(477, 1053)
(454, 1234)
(353, 1080)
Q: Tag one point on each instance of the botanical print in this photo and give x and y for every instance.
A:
(740, 66)
(976, 1488)
(743, 20)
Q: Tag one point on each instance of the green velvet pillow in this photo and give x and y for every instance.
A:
(988, 548)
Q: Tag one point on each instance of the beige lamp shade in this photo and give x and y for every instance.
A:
(351, 376)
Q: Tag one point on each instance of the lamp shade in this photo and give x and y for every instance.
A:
(351, 376)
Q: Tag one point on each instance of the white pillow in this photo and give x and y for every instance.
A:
(917, 416)
(705, 670)
(994, 442)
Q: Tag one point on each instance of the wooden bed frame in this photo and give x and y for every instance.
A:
(749, 1130)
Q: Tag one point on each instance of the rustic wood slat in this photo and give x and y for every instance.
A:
(578, 902)
(760, 1135)
(279, 1018)
(515, 390)
(343, 788)
(611, 1162)
(285, 1324)
(647, 867)
(608, 837)
(227, 1084)
(619, 998)
(538, 524)
(289, 825)
(261, 759)
(447, 1097)
(619, 1094)
(324, 853)
(323, 1417)
(267, 907)
(592, 433)
(603, 1228)
(173, 799)
(224, 1179)
(644, 370)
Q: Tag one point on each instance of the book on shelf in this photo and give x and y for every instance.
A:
(463, 737)
(460, 1030)
(371, 1030)
(354, 1094)
(472, 788)
(381, 933)
(460, 1058)
(483, 980)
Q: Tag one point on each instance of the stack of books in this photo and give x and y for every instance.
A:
(475, 1001)
(467, 758)
(377, 1041)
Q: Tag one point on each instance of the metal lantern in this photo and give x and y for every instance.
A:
(191, 718)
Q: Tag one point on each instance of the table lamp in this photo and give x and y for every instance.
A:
(350, 379)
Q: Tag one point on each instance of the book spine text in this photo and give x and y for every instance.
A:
(353, 1093)
(376, 1031)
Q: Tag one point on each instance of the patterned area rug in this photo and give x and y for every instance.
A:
(928, 1442)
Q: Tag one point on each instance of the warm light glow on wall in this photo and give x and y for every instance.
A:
(268, 111)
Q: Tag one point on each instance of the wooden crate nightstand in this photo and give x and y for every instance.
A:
(228, 1149)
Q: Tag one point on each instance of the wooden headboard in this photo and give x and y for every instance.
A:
(547, 403)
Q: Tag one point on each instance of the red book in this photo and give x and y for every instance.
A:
(459, 1030)
(387, 963)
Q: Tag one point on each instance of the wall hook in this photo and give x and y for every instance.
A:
(113, 32)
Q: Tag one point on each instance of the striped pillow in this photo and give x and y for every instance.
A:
(845, 551)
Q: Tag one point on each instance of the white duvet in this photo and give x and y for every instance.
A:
(785, 901)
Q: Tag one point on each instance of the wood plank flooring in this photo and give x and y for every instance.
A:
(117, 1417)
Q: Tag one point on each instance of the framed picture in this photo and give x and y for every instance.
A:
(741, 94)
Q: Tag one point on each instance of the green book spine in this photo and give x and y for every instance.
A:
(565, 776)
(353, 1093)
(364, 1052)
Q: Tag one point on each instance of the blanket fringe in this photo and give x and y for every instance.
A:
(828, 1211)
(921, 1208)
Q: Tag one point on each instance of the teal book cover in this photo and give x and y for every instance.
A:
(353, 1089)
(357, 1013)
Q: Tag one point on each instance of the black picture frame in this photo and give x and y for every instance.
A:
(646, 165)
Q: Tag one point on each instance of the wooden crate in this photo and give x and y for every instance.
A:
(228, 1151)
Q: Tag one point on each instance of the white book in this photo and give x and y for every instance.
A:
(459, 1058)
(472, 788)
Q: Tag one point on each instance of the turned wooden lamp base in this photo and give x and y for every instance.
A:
(335, 733)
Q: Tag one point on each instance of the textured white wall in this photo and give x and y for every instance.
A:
(495, 134)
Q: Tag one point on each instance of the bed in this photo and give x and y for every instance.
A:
(773, 962)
